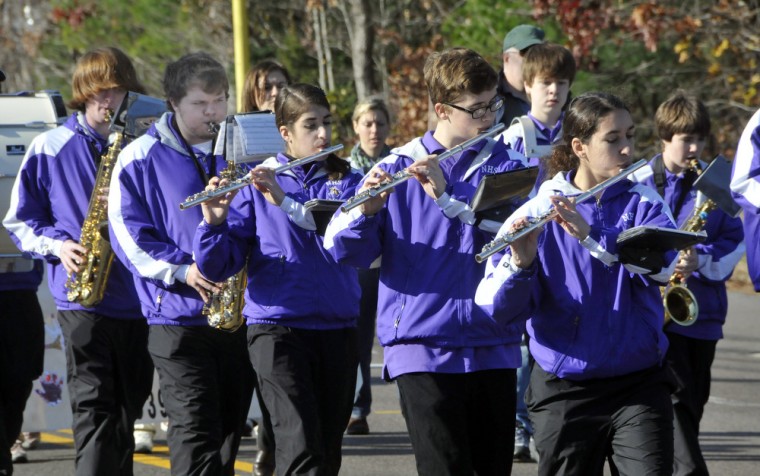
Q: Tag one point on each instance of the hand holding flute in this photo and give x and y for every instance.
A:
(560, 208)
(247, 179)
(423, 170)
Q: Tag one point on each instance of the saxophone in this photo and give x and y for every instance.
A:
(680, 304)
(224, 309)
(88, 286)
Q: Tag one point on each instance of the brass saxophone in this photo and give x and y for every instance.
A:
(680, 304)
(224, 310)
(88, 286)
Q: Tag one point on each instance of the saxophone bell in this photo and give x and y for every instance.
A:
(680, 305)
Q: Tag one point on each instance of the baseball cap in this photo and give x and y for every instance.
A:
(523, 36)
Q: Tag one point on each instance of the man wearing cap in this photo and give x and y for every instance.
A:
(511, 86)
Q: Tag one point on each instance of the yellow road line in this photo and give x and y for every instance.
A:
(159, 458)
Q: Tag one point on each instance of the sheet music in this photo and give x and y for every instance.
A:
(256, 137)
(219, 142)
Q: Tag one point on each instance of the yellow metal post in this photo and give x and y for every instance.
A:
(240, 40)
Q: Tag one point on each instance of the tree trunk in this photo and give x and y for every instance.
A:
(361, 35)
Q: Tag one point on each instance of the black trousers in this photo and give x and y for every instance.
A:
(109, 376)
(689, 361)
(206, 383)
(22, 348)
(460, 424)
(369, 280)
(578, 424)
(307, 379)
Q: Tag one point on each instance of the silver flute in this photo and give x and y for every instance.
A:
(501, 242)
(245, 180)
(403, 175)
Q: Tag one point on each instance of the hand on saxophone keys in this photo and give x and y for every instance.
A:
(688, 262)
(73, 256)
(197, 281)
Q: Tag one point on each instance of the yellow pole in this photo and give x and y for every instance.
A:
(240, 40)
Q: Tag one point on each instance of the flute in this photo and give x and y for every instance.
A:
(503, 241)
(403, 175)
(245, 180)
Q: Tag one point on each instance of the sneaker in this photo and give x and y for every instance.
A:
(357, 426)
(31, 440)
(18, 454)
(522, 443)
(143, 441)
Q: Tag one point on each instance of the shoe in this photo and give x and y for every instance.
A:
(522, 443)
(143, 441)
(31, 440)
(357, 426)
(18, 454)
(264, 464)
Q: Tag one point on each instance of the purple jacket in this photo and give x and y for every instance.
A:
(717, 256)
(745, 188)
(49, 202)
(589, 315)
(426, 317)
(149, 233)
(292, 280)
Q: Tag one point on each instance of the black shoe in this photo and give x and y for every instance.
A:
(264, 464)
(357, 426)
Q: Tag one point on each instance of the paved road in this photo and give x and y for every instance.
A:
(730, 429)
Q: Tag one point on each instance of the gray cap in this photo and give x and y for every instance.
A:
(523, 36)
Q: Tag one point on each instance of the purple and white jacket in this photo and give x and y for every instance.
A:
(426, 317)
(745, 188)
(588, 315)
(149, 233)
(717, 256)
(292, 280)
(49, 202)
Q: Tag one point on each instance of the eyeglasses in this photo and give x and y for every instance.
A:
(493, 106)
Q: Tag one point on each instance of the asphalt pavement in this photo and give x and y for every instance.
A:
(730, 434)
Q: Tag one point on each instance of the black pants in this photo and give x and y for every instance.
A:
(369, 280)
(307, 380)
(460, 424)
(689, 361)
(206, 383)
(22, 348)
(109, 376)
(578, 424)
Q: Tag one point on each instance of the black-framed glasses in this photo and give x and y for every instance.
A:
(493, 106)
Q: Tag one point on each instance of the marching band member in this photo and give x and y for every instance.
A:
(595, 325)
(109, 373)
(263, 83)
(683, 125)
(745, 188)
(204, 376)
(454, 365)
(301, 305)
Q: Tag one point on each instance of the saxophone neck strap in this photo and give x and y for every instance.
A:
(658, 168)
(198, 166)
